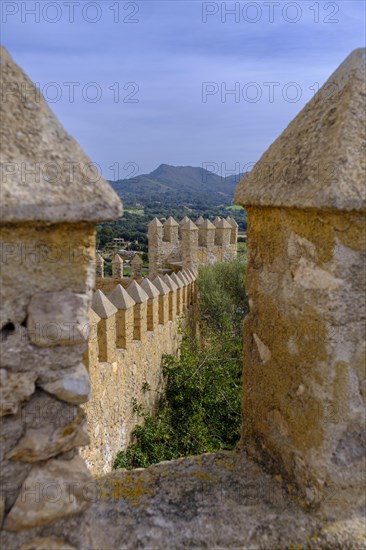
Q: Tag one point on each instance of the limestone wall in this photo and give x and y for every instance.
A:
(132, 329)
(305, 391)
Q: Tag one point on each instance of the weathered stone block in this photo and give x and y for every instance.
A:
(58, 319)
(47, 246)
(48, 441)
(71, 385)
(53, 490)
(15, 387)
(172, 296)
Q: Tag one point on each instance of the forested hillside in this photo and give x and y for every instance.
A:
(178, 186)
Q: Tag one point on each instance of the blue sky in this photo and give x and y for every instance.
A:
(150, 77)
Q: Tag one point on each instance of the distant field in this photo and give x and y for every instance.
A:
(139, 212)
(234, 207)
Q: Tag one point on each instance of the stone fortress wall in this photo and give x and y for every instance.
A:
(304, 372)
(107, 284)
(132, 328)
(126, 345)
(135, 322)
(174, 245)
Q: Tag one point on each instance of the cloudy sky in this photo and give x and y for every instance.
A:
(144, 83)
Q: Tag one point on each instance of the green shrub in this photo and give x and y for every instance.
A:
(222, 297)
(200, 411)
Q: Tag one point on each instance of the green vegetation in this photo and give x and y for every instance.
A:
(200, 411)
(242, 249)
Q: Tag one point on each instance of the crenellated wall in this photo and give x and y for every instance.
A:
(132, 328)
(173, 245)
(107, 284)
(304, 376)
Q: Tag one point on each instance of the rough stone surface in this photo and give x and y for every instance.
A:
(170, 283)
(215, 501)
(318, 161)
(155, 223)
(32, 138)
(15, 387)
(134, 370)
(177, 280)
(189, 226)
(37, 259)
(172, 246)
(55, 489)
(2, 510)
(304, 403)
(110, 412)
(232, 222)
(48, 441)
(47, 275)
(58, 319)
(117, 267)
(41, 543)
(184, 220)
(171, 222)
(348, 534)
(71, 385)
(210, 501)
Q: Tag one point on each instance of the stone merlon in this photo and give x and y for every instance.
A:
(155, 223)
(318, 162)
(121, 299)
(150, 289)
(170, 222)
(161, 286)
(189, 226)
(102, 306)
(137, 293)
(46, 175)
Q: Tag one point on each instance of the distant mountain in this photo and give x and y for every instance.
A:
(178, 185)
